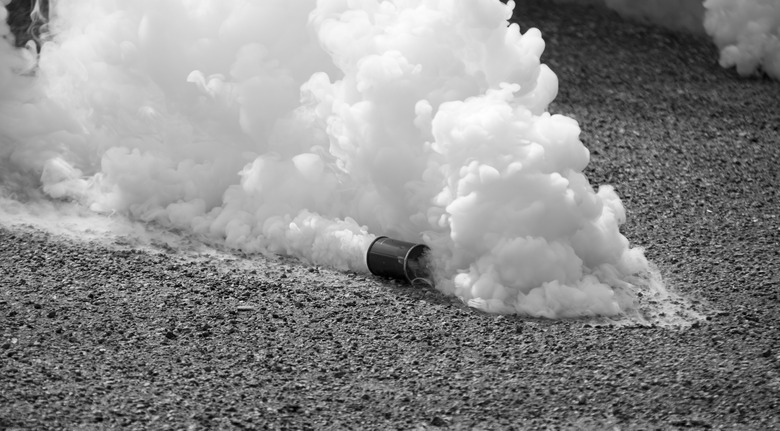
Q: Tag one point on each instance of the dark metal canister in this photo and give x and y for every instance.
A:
(387, 257)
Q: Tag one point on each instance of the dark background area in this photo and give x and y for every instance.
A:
(23, 23)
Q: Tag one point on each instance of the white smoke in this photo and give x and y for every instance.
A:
(308, 129)
(747, 32)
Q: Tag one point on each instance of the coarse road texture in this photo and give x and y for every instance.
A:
(99, 337)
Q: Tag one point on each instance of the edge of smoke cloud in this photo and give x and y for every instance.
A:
(747, 33)
(73, 222)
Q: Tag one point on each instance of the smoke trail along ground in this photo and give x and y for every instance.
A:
(747, 32)
(307, 129)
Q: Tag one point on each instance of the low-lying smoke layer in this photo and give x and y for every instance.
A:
(747, 32)
(308, 129)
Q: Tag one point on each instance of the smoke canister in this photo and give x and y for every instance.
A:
(387, 257)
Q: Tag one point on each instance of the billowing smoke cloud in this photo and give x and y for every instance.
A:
(308, 129)
(747, 32)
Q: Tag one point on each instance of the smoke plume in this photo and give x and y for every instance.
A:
(308, 129)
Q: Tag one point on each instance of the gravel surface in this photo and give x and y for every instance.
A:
(101, 336)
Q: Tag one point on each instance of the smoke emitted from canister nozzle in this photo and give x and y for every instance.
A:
(308, 129)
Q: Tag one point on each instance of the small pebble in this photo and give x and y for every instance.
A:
(437, 421)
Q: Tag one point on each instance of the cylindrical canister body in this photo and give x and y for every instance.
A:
(387, 257)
